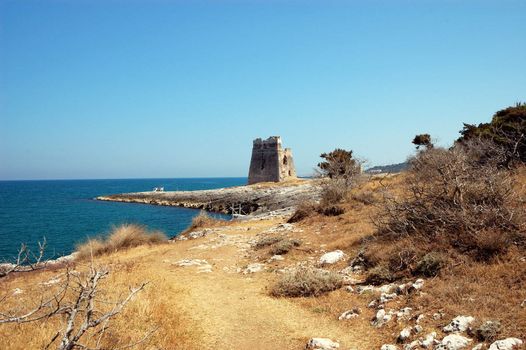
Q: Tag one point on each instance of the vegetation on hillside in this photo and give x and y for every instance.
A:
(507, 129)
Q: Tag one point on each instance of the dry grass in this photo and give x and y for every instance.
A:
(203, 220)
(122, 237)
(305, 282)
(156, 307)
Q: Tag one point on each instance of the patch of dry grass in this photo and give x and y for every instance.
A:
(121, 237)
(203, 220)
(305, 282)
(156, 307)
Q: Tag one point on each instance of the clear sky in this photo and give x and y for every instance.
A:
(123, 89)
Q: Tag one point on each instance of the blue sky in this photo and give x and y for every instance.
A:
(124, 89)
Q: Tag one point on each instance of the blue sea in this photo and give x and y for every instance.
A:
(65, 213)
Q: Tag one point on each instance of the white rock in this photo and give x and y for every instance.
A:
(455, 342)
(204, 268)
(389, 347)
(349, 289)
(347, 315)
(191, 262)
(429, 340)
(420, 318)
(332, 257)
(478, 347)
(384, 298)
(372, 304)
(404, 334)
(322, 344)
(419, 283)
(506, 344)
(459, 324)
(364, 289)
(253, 268)
(412, 345)
(51, 281)
(381, 318)
(387, 288)
(418, 328)
(276, 258)
(17, 291)
(404, 313)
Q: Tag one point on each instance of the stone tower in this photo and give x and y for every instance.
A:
(269, 162)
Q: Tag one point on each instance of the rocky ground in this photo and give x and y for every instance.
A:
(212, 289)
(252, 199)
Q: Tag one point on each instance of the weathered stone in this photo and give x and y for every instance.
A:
(276, 258)
(455, 342)
(331, 257)
(321, 344)
(459, 324)
(429, 340)
(506, 344)
(404, 334)
(404, 313)
(270, 162)
(349, 314)
(389, 347)
(253, 268)
(412, 345)
(381, 318)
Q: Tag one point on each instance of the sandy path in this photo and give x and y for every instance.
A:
(235, 312)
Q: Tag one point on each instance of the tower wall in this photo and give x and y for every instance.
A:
(269, 162)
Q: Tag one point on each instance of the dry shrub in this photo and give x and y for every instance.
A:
(431, 264)
(379, 275)
(266, 241)
(305, 282)
(284, 246)
(458, 196)
(303, 211)
(365, 197)
(202, 220)
(122, 237)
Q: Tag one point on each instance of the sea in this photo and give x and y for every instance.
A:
(64, 212)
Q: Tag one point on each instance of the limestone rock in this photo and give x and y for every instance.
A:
(404, 334)
(347, 315)
(253, 268)
(459, 324)
(321, 344)
(429, 340)
(381, 318)
(331, 257)
(389, 347)
(454, 342)
(506, 344)
(412, 345)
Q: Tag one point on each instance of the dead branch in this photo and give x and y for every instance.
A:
(25, 261)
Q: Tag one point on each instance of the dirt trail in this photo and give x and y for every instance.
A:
(233, 309)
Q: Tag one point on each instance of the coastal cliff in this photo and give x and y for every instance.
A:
(252, 199)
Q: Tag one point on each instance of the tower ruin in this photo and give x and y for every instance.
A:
(270, 162)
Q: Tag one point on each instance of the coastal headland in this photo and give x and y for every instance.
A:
(251, 199)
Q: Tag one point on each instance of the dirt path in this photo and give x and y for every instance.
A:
(234, 310)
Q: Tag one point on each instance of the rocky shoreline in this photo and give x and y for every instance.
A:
(252, 199)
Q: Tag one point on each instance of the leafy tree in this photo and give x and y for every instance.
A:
(423, 140)
(506, 129)
(338, 164)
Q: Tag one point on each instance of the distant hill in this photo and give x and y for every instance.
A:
(391, 168)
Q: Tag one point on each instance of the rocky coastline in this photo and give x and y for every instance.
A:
(246, 200)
